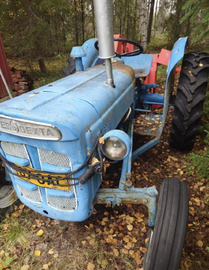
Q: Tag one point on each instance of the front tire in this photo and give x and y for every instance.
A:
(7, 195)
(189, 100)
(167, 239)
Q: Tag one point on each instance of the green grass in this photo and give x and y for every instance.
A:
(54, 67)
(198, 161)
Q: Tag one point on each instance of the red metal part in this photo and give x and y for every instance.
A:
(5, 70)
(122, 47)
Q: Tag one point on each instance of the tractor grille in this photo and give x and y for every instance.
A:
(33, 196)
(48, 157)
(15, 149)
(63, 204)
(59, 160)
(53, 158)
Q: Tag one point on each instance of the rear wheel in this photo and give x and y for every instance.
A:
(189, 100)
(166, 240)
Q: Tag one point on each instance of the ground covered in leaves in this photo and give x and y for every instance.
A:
(111, 238)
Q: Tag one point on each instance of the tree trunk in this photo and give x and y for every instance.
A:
(143, 15)
(149, 30)
(42, 65)
(83, 20)
(76, 23)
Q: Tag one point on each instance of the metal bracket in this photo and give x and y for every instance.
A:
(146, 196)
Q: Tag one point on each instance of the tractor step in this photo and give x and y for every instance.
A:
(149, 125)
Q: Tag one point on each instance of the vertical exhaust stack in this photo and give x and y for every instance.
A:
(104, 24)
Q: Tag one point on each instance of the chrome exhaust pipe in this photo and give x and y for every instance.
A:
(104, 25)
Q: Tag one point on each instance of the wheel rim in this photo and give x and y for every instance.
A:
(7, 196)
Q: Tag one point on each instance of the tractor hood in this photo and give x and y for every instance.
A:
(66, 108)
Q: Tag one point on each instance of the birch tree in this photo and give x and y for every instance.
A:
(144, 23)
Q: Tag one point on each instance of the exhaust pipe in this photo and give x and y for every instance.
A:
(104, 24)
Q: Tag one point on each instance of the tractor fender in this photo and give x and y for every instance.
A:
(177, 54)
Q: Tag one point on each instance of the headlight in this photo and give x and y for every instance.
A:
(117, 145)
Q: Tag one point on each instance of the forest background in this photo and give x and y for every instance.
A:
(37, 29)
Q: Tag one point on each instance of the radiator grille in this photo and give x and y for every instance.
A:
(59, 160)
(53, 158)
(62, 204)
(33, 196)
(15, 149)
(48, 157)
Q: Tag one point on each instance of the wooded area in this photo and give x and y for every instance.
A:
(37, 29)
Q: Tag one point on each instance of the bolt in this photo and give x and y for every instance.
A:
(128, 183)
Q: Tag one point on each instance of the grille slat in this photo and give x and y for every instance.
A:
(54, 158)
(33, 196)
(63, 204)
(15, 149)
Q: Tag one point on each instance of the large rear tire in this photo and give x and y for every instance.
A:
(167, 239)
(189, 100)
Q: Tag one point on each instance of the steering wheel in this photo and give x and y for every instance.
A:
(133, 53)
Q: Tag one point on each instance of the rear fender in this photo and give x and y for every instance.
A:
(176, 55)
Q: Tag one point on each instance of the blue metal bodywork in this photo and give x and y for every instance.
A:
(82, 107)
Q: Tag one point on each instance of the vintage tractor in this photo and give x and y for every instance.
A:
(57, 140)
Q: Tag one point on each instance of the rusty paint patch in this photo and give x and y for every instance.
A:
(125, 69)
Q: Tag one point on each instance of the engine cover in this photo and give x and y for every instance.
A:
(54, 128)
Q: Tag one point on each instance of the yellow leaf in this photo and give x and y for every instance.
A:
(104, 262)
(200, 243)
(45, 266)
(130, 227)
(83, 242)
(90, 266)
(55, 255)
(40, 233)
(25, 267)
(37, 253)
(134, 240)
(125, 251)
(116, 252)
(91, 241)
(143, 249)
(51, 251)
(126, 239)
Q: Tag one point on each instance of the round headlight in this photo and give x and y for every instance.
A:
(114, 148)
(116, 145)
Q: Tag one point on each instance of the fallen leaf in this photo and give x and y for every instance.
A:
(91, 241)
(116, 252)
(45, 266)
(125, 251)
(104, 262)
(51, 251)
(90, 266)
(37, 253)
(130, 227)
(199, 243)
(40, 233)
(25, 267)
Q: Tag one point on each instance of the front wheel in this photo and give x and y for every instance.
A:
(7, 195)
(189, 100)
(166, 240)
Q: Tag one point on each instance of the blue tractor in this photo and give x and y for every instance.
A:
(56, 141)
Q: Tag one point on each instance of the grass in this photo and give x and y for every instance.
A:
(54, 67)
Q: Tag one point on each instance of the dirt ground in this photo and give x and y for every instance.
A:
(112, 238)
